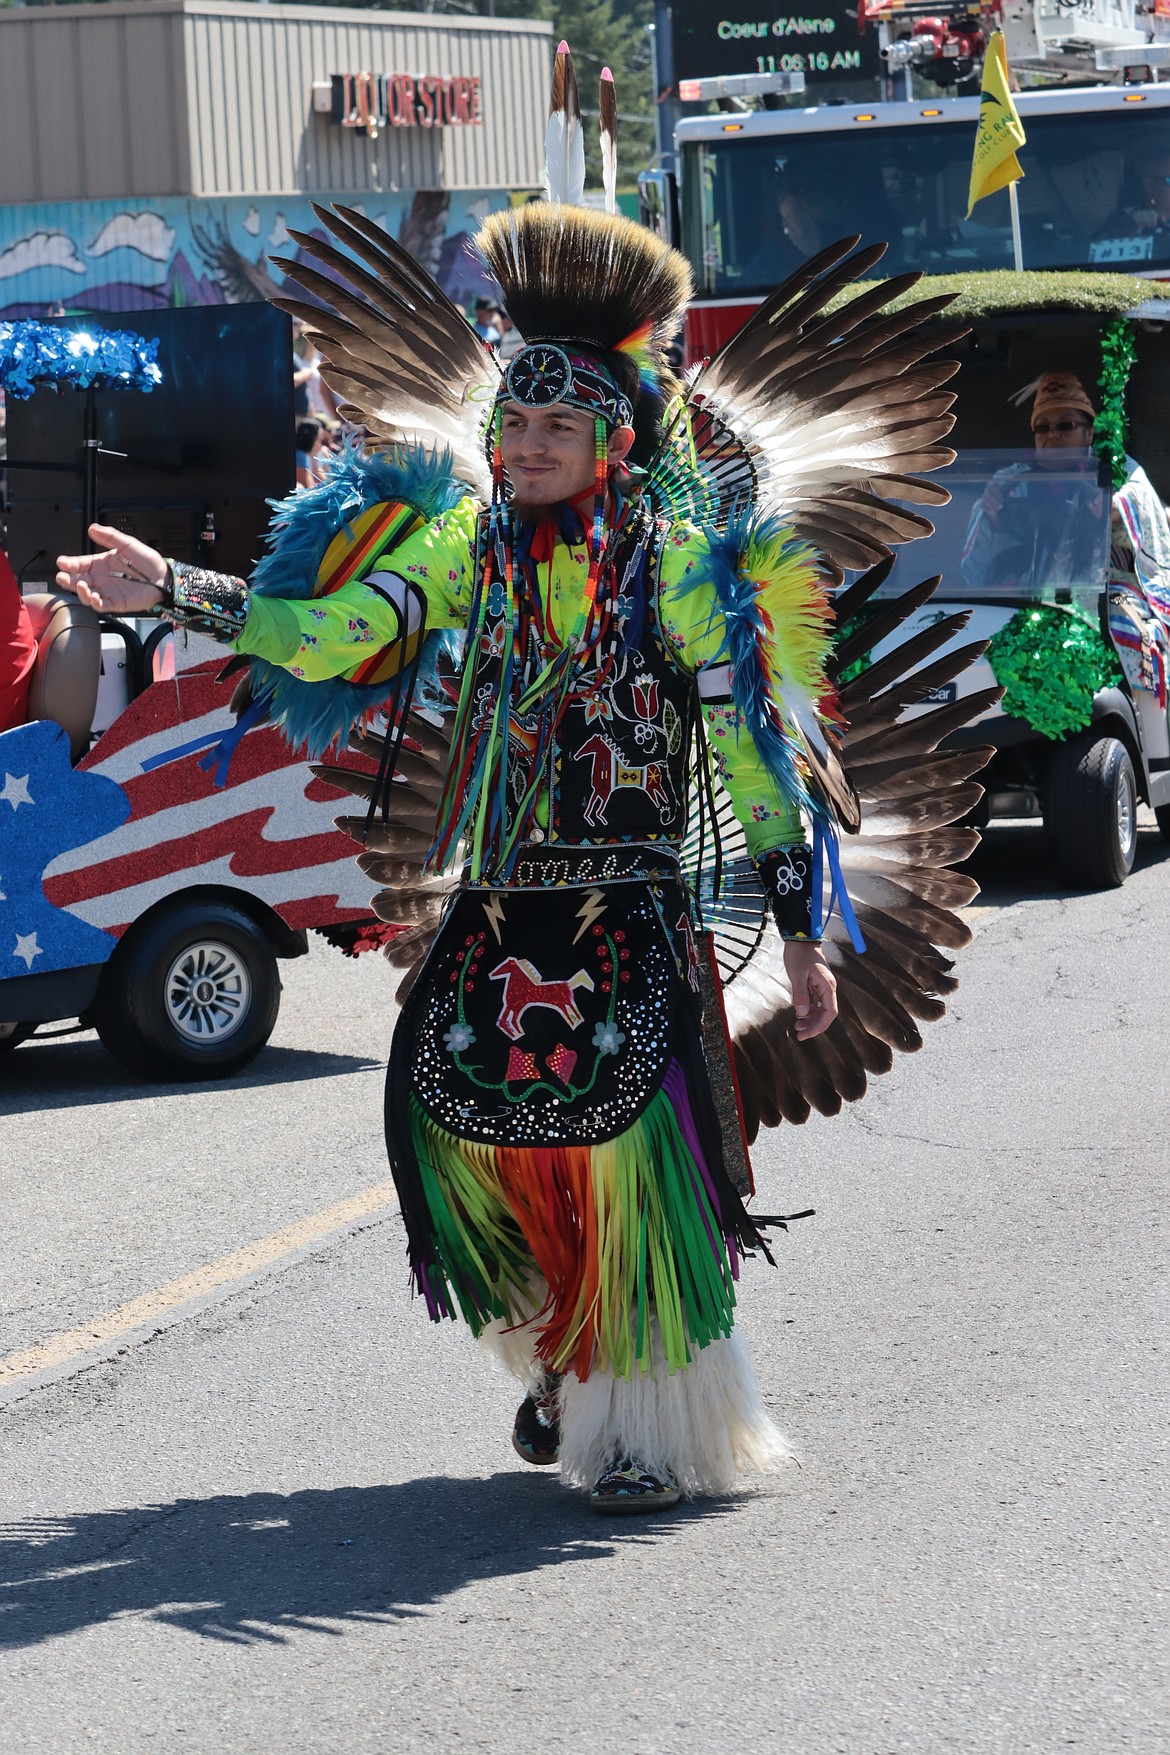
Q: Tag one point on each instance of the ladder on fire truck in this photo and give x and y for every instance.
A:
(1054, 40)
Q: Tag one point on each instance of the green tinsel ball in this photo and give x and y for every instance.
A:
(1050, 664)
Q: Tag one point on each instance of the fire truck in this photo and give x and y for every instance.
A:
(749, 192)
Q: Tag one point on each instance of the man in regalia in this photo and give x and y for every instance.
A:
(639, 625)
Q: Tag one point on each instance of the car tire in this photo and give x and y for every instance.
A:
(192, 992)
(1162, 817)
(1090, 812)
(12, 1035)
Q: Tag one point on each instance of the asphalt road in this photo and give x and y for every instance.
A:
(282, 1513)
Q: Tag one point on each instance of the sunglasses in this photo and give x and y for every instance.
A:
(1043, 427)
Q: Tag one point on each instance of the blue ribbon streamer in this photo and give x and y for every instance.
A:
(220, 746)
(825, 840)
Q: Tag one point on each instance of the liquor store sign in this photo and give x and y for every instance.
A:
(373, 101)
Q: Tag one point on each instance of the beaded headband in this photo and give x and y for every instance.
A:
(544, 374)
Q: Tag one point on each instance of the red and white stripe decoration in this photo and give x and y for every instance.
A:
(268, 832)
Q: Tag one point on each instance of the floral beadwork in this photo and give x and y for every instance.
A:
(607, 1038)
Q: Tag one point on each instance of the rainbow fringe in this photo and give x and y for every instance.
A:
(638, 345)
(616, 1230)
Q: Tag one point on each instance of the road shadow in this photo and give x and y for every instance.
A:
(78, 1070)
(260, 1566)
(1011, 863)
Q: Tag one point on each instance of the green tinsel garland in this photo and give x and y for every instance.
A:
(1110, 429)
(1050, 664)
(864, 616)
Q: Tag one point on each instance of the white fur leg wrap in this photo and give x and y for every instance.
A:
(515, 1349)
(705, 1425)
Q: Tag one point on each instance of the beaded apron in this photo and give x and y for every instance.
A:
(547, 1015)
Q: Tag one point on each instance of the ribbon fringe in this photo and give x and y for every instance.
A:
(620, 1232)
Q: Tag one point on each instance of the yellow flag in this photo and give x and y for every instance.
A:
(1001, 132)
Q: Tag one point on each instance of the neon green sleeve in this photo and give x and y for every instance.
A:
(769, 820)
(696, 632)
(318, 638)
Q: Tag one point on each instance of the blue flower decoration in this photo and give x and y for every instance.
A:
(607, 1038)
(495, 600)
(459, 1038)
(32, 354)
(624, 608)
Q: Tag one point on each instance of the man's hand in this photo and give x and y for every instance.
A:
(126, 580)
(814, 988)
(991, 501)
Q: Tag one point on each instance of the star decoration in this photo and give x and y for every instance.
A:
(27, 948)
(15, 790)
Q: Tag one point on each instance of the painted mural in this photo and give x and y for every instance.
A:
(134, 255)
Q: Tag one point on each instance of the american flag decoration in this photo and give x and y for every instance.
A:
(268, 831)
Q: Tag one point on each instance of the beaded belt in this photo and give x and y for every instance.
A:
(583, 867)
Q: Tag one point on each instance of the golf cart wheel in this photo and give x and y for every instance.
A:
(191, 992)
(1090, 812)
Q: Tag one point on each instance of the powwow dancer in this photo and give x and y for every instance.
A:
(638, 569)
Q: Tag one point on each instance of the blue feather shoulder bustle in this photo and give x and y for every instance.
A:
(313, 714)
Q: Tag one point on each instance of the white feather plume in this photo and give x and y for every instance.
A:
(607, 111)
(564, 137)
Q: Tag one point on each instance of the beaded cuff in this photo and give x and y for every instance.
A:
(786, 875)
(207, 602)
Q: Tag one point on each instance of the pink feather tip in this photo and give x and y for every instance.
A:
(562, 47)
(606, 74)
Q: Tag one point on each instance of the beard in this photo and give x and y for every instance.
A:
(530, 511)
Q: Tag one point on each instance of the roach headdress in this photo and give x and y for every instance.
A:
(597, 297)
(588, 286)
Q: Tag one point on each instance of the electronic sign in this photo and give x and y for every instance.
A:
(709, 40)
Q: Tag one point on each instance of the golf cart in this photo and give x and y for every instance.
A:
(1062, 559)
(157, 857)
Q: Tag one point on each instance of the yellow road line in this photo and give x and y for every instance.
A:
(99, 1335)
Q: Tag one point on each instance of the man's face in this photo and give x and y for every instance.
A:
(800, 223)
(1062, 429)
(1156, 184)
(549, 452)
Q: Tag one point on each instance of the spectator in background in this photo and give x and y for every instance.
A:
(306, 362)
(310, 436)
(311, 394)
(511, 340)
(18, 649)
(484, 324)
